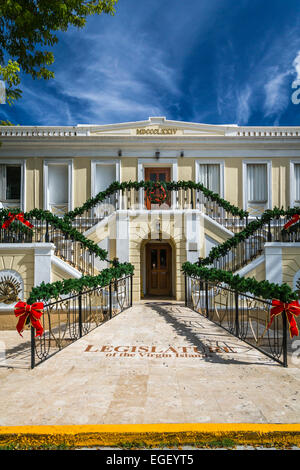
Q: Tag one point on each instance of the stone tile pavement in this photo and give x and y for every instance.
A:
(157, 362)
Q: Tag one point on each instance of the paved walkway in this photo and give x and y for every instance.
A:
(157, 362)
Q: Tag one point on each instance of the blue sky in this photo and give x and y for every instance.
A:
(210, 61)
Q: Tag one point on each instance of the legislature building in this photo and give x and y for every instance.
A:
(211, 181)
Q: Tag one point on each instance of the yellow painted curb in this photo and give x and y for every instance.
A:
(150, 435)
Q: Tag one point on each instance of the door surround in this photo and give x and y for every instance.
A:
(162, 275)
(157, 172)
(154, 163)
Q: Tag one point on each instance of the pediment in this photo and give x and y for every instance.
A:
(158, 127)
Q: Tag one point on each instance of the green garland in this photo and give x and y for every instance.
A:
(59, 223)
(221, 250)
(263, 289)
(147, 185)
(260, 289)
(54, 290)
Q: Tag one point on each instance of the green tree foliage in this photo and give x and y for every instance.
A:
(6, 123)
(28, 29)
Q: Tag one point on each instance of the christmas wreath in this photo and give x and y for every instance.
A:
(157, 193)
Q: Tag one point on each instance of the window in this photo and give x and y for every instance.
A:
(257, 183)
(105, 175)
(58, 186)
(209, 176)
(257, 187)
(10, 185)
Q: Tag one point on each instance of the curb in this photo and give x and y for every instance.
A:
(150, 435)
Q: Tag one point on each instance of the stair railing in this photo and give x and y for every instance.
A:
(183, 195)
(236, 252)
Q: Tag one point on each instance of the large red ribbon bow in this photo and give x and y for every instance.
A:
(291, 309)
(19, 217)
(293, 220)
(34, 312)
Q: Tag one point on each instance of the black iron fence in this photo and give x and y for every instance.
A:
(242, 315)
(66, 248)
(253, 246)
(68, 319)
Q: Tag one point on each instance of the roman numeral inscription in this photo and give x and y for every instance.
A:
(162, 131)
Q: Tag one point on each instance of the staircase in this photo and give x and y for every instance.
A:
(96, 305)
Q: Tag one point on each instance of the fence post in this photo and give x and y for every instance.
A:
(47, 232)
(185, 291)
(269, 232)
(284, 339)
(237, 326)
(110, 301)
(80, 314)
(192, 199)
(32, 348)
(206, 300)
(131, 293)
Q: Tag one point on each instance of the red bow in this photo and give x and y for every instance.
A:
(34, 311)
(292, 310)
(19, 217)
(293, 220)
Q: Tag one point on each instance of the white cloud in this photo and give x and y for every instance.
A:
(124, 81)
(296, 65)
(244, 105)
(276, 94)
(266, 86)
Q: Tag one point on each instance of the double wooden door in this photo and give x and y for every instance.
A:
(159, 269)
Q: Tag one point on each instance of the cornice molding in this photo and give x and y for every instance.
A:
(120, 131)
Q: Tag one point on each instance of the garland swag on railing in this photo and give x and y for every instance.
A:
(263, 289)
(59, 223)
(150, 185)
(55, 289)
(221, 250)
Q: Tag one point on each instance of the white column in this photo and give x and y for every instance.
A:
(42, 263)
(122, 236)
(193, 226)
(104, 245)
(273, 253)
